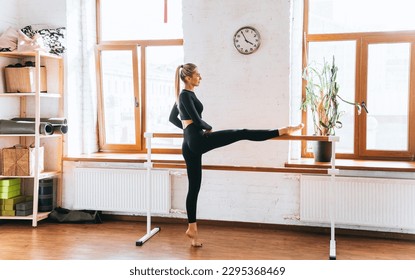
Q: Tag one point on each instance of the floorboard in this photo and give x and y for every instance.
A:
(115, 240)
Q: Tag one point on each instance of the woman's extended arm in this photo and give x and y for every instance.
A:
(174, 119)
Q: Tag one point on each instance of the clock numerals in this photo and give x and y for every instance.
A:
(246, 50)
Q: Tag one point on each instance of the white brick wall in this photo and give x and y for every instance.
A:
(249, 197)
(241, 91)
(9, 15)
(42, 12)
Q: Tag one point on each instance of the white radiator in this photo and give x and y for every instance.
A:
(124, 190)
(359, 201)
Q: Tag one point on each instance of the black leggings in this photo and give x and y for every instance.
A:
(196, 143)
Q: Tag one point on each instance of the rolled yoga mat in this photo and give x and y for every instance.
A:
(59, 124)
(24, 127)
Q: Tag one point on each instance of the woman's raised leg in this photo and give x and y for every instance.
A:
(223, 138)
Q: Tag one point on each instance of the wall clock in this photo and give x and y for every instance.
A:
(246, 40)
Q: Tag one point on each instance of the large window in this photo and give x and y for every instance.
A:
(374, 46)
(139, 47)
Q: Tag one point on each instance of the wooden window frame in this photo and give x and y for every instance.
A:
(108, 147)
(139, 81)
(362, 40)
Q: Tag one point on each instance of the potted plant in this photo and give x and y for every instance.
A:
(322, 98)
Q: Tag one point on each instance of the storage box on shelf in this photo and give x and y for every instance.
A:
(9, 188)
(46, 195)
(29, 85)
(22, 79)
(20, 161)
(24, 208)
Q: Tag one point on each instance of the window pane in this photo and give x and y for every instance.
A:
(161, 68)
(131, 19)
(118, 97)
(346, 16)
(388, 96)
(345, 59)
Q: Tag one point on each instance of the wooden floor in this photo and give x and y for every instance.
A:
(115, 240)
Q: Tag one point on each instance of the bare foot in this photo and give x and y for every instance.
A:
(191, 232)
(290, 129)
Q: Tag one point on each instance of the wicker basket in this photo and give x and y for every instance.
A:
(22, 79)
(20, 161)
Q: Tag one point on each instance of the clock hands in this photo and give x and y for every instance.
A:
(246, 43)
(242, 32)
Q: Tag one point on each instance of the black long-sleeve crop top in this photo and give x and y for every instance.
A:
(189, 108)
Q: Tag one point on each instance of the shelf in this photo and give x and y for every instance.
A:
(17, 135)
(24, 94)
(42, 175)
(28, 54)
(42, 136)
(49, 174)
(40, 216)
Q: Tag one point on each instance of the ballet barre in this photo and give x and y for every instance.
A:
(332, 171)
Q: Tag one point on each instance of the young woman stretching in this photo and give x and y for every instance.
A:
(199, 138)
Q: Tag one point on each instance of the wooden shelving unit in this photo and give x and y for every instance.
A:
(30, 106)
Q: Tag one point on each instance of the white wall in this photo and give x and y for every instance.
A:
(9, 17)
(42, 12)
(241, 91)
(9, 14)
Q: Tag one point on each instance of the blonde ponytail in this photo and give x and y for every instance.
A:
(177, 83)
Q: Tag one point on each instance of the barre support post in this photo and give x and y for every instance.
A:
(332, 210)
(149, 165)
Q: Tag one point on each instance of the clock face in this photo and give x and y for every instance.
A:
(246, 40)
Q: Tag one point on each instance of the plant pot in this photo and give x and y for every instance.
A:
(322, 151)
